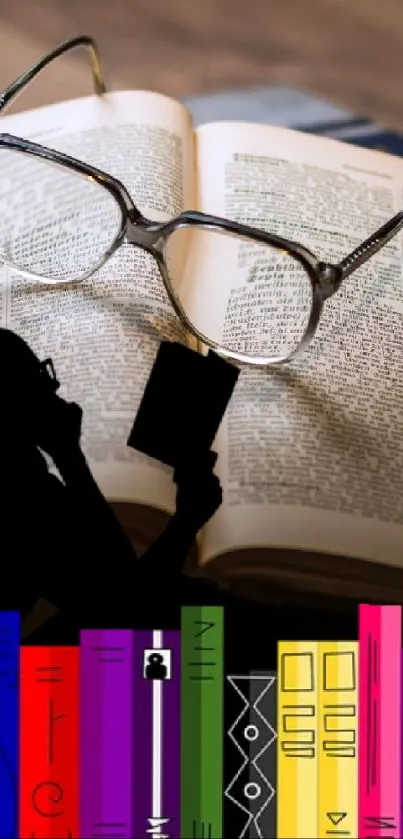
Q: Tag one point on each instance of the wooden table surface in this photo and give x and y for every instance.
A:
(348, 50)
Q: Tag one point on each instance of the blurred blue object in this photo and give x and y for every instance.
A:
(288, 107)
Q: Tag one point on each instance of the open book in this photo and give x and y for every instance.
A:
(310, 454)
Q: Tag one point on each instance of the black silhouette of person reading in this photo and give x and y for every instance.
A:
(61, 530)
(156, 669)
(57, 530)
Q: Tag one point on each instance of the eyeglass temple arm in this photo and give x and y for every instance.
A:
(17, 86)
(371, 246)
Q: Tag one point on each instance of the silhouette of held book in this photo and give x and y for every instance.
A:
(182, 383)
(310, 455)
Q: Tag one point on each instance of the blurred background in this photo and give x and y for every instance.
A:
(349, 51)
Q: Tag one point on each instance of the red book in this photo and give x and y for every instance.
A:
(49, 747)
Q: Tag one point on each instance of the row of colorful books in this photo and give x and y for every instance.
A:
(330, 763)
(129, 735)
(118, 737)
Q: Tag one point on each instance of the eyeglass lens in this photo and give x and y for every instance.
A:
(246, 296)
(54, 223)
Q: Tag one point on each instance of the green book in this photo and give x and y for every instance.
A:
(202, 720)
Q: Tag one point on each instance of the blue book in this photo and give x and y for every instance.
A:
(360, 132)
(380, 139)
(9, 723)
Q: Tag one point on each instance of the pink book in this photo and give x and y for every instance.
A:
(379, 721)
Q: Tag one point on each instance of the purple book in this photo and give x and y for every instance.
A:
(106, 734)
(156, 720)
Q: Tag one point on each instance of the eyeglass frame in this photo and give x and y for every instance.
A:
(325, 277)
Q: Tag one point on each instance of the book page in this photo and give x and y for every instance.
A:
(311, 453)
(101, 333)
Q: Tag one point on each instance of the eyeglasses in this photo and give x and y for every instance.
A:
(259, 297)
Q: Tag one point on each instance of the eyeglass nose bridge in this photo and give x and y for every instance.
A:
(145, 234)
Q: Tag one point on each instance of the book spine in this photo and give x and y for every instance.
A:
(202, 722)
(391, 628)
(251, 787)
(156, 728)
(106, 733)
(9, 722)
(338, 739)
(379, 721)
(401, 739)
(49, 742)
(297, 748)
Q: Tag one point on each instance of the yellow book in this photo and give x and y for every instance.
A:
(297, 756)
(338, 732)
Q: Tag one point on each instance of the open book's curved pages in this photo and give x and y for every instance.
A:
(310, 455)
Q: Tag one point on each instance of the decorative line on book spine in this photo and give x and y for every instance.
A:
(379, 721)
(143, 733)
(338, 735)
(202, 722)
(297, 747)
(106, 753)
(49, 777)
(253, 732)
(9, 722)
